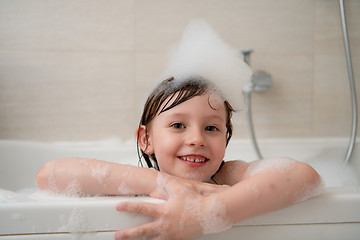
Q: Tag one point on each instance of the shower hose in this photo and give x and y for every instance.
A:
(252, 86)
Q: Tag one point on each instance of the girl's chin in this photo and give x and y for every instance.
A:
(194, 174)
(196, 177)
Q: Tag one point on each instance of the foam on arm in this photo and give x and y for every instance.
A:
(76, 176)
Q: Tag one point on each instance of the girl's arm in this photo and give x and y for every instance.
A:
(266, 185)
(78, 176)
(256, 188)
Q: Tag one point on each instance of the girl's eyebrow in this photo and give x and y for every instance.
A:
(217, 118)
(185, 115)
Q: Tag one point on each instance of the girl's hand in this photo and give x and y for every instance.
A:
(185, 214)
(165, 180)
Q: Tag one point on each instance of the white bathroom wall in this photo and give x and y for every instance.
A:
(81, 69)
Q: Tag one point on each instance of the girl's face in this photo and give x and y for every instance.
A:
(189, 140)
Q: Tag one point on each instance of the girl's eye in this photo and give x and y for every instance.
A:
(178, 125)
(211, 128)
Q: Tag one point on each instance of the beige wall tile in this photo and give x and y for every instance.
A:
(352, 9)
(332, 115)
(159, 23)
(268, 26)
(149, 67)
(75, 25)
(328, 37)
(331, 103)
(285, 110)
(81, 70)
(55, 95)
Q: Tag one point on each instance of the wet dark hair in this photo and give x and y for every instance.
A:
(172, 93)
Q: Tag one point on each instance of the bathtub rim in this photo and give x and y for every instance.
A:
(334, 205)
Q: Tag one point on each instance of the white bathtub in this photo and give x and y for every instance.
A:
(335, 214)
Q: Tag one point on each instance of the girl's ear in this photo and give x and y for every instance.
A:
(143, 139)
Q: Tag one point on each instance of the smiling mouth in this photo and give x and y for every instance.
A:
(194, 159)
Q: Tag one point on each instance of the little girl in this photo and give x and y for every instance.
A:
(183, 133)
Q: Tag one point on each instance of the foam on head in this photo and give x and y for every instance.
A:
(202, 52)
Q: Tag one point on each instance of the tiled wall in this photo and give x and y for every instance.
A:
(80, 70)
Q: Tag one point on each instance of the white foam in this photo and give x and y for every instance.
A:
(74, 188)
(278, 164)
(164, 224)
(40, 195)
(7, 196)
(309, 191)
(51, 179)
(76, 222)
(123, 189)
(202, 52)
(162, 182)
(254, 189)
(100, 171)
(213, 216)
(335, 173)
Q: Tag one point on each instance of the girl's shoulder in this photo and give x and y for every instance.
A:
(231, 172)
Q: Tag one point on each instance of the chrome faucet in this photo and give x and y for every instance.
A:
(260, 82)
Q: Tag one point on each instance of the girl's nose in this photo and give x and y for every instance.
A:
(195, 138)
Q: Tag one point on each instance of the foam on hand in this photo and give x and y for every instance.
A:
(213, 216)
(202, 52)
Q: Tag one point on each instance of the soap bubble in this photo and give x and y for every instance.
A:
(51, 179)
(278, 164)
(74, 188)
(202, 52)
(309, 191)
(76, 222)
(252, 187)
(7, 196)
(213, 216)
(123, 189)
(100, 171)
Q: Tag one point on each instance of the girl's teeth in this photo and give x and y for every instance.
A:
(198, 160)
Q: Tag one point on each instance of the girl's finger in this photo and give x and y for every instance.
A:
(144, 208)
(145, 230)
